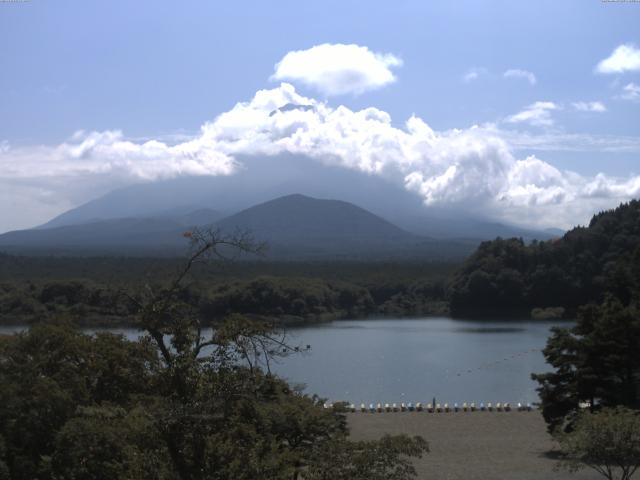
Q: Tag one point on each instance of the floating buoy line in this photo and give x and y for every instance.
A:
(429, 407)
(489, 365)
(432, 407)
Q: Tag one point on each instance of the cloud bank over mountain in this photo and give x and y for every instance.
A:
(473, 169)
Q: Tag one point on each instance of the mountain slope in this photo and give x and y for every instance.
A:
(294, 226)
(298, 226)
(260, 180)
(295, 218)
(153, 234)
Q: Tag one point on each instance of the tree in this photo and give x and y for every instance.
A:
(596, 362)
(222, 415)
(386, 459)
(176, 404)
(607, 441)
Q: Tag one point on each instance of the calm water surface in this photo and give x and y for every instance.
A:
(411, 360)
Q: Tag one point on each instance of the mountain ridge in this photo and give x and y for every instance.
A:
(295, 226)
(258, 181)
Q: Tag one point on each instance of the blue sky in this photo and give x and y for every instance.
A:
(160, 70)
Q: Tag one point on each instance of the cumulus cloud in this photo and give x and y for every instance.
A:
(109, 153)
(625, 58)
(517, 73)
(475, 169)
(597, 107)
(338, 69)
(631, 91)
(537, 114)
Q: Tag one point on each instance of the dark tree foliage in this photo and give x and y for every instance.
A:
(596, 362)
(507, 276)
(287, 298)
(607, 441)
(178, 404)
(302, 297)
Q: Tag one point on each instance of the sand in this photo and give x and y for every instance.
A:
(473, 446)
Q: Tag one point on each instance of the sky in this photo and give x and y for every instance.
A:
(525, 111)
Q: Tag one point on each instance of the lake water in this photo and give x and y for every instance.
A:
(414, 360)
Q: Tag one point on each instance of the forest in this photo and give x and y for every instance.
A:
(90, 291)
(507, 276)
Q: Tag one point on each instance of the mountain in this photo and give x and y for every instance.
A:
(294, 226)
(160, 234)
(101, 236)
(259, 180)
(298, 219)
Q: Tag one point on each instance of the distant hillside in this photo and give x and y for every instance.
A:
(299, 226)
(106, 234)
(260, 181)
(581, 267)
(294, 226)
(298, 219)
(154, 235)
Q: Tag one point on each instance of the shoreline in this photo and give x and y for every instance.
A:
(472, 446)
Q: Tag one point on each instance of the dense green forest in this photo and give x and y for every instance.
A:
(93, 291)
(509, 276)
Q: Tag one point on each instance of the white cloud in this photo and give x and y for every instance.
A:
(597, 107)
(338, 69)
(109, 153)
(537, 114)
(473, 74)
(631, 91)
(517, 73)
(474, 169)
(625, 58)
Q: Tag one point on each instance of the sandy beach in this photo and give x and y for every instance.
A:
(473, 446)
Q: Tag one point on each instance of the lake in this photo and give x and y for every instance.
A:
(414, 360)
